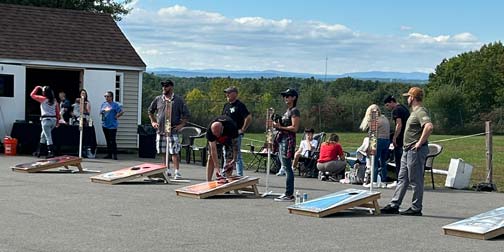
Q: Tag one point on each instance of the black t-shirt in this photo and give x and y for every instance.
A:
(229, 132)
(286, 118)
(237, 111)
(401, 112)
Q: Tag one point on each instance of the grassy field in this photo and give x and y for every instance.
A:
(471, 150)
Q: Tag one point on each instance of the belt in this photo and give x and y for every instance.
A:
(48, 116)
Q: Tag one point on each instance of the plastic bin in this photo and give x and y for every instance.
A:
(146, 141)
(10, 146)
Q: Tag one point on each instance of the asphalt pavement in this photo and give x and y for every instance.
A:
(54, 211)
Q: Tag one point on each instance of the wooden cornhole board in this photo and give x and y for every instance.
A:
(46, 164)
(130, 173)
(337, 202)
(212, 188)
(482, 226)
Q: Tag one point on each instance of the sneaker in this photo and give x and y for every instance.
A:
(285, 198)
(168, 173)
(375, 185)
(392, 185)
(281, 173)
(177, 175)
(388, 209)
(411, 212)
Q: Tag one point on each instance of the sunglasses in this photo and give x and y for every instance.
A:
(106, 96)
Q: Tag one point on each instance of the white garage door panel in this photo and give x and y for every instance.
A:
(13, 108)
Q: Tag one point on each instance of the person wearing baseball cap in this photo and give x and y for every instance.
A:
(235, 109)
(285, 140)
(179, 114)
(418, 129)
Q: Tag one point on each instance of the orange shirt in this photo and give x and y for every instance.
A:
(330, 152)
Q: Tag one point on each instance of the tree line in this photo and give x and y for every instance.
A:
(462, 93)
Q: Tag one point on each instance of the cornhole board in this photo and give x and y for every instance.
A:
(130, 173)
(212, 188)
(482, 226)
(337, 202)
(46, 164)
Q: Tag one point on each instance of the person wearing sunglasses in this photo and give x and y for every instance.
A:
(110, 111)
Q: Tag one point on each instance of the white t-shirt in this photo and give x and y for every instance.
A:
(304, 148)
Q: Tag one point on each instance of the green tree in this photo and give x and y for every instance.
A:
(115, 8)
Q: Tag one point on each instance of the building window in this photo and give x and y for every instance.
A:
(118, 87)
(6, 85)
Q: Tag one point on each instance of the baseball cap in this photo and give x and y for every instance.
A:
(231, 89)
(415, 92)
(166, 83)
(289, 92)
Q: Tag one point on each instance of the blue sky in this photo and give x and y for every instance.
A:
(297, 36)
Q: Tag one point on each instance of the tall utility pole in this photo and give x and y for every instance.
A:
(325, 75)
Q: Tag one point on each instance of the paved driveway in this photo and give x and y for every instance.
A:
(66, 212)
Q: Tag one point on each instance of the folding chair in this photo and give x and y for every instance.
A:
(434, 151)
(260, 159)
(186, 141)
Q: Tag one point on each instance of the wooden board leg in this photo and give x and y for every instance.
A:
(256, 192)
(376, 207)
(79, 166)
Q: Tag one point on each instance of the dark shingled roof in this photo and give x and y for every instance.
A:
(37, 33)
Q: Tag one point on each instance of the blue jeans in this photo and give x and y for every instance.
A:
(286, 164)
(48, 124)
(239, 160)
(382, 149)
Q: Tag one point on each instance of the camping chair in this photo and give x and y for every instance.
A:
(434, 151)
(260, 159)
(308, 164)
(187, 136)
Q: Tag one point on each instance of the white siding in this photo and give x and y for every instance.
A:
(13, 108)
(128, 123)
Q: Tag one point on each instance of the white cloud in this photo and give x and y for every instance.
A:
(406, 28)
(180, 37)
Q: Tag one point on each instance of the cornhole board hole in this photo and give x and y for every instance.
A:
(482, 226)
(46, 164)
(130, 173)
(212, 188)
(338, 201)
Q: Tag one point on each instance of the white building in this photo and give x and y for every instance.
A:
(67, 50)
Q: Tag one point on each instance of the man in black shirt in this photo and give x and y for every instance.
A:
(223, 131)
(241, 116)
(400, 115)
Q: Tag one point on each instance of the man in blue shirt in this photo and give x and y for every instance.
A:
(110, 111)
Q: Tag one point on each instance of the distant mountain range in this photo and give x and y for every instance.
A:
(413, 77)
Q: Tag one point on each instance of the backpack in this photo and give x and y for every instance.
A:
(357, 173)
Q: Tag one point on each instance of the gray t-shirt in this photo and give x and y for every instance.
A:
(414, 126)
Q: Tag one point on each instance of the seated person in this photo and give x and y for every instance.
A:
(332, 159)
(306, 147)
(222, 130)
(76, 110)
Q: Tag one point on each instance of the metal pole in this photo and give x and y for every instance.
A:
(489, 151)
(81, 124)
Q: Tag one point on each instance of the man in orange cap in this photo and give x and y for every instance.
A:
(418, 129)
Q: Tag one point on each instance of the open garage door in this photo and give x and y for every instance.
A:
(96, 83)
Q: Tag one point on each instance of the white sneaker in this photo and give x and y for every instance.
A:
(375, 185)
(281, 173)
(392, 185)
(177, 175)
